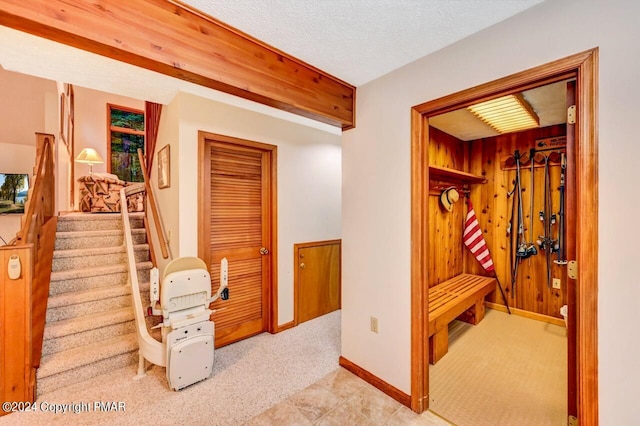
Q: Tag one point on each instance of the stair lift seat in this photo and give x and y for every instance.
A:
(187, 331)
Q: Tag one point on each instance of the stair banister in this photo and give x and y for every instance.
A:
(153, 206)
(34, 244)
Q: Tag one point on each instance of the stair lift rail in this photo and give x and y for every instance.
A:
(149, 348)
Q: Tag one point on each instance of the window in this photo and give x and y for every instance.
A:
(126, 135)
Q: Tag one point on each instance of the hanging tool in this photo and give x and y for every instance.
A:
(519, 247)
(512, 248)
(521, 251)
(531, 248)
(562, 259)
(546, 242)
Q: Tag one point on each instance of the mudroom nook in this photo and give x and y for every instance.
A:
(498, 232)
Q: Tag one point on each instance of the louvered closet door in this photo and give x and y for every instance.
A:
(239, 231)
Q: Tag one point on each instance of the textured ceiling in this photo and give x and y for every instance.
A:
(360, 40)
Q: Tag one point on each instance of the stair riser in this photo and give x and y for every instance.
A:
(74, 311)
(82, 242)
(66, 378)
(96, 225)
(85, 283)
(80, 262)
(63, 343)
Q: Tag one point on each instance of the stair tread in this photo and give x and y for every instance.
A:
(69, 326)
(70, 359)
(96, 270)
(88, 216)
(97, 216)
(99, 233)
(90, 295)
(96, 251)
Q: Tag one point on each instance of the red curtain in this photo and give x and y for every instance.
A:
(152, 113)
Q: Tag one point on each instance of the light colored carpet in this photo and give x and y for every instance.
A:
(507, 370)
(249, 377)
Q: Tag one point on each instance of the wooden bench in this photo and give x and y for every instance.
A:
(460, 297)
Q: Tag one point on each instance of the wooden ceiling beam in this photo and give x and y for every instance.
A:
(173, 39)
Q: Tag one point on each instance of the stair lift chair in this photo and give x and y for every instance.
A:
(187, 331)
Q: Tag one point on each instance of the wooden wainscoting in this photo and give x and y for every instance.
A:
(16, 373)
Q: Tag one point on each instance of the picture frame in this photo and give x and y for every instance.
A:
(63, 119)
(164, 167)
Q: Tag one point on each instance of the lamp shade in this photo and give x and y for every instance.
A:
(89, 156)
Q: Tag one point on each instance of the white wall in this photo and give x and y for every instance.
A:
(309, 179)
(379, 148)
(90, 118)
(29, 107)
(24, 110)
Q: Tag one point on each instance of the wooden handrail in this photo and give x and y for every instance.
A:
(41, 201)
(153, 206)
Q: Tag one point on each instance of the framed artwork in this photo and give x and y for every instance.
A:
(164, 168)
(66, 117)
(63, 118)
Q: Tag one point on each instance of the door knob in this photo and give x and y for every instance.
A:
(302, 265)
(264, 250)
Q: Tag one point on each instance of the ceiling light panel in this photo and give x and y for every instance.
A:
(507, 114)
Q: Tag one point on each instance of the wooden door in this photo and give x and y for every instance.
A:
(317, 278)
(236, 221)
(570, 250)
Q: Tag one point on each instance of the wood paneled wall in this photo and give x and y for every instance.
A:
(16, 374)
(445, 228)
(448, 257)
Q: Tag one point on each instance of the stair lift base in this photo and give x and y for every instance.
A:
(183, 299)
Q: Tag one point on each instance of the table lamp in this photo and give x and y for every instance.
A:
(89, 156)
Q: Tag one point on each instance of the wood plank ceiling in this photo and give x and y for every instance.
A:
(175, 40)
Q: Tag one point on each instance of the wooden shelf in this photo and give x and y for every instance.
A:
(445, 174)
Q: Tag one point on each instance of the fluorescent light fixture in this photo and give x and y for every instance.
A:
(89, 156)
(507, 114)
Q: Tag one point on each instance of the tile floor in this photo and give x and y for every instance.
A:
(342, 398)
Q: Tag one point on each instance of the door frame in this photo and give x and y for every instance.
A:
(584, 67)
(269, 226)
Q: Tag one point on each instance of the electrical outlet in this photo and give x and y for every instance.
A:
(374, 324)
(556, 283)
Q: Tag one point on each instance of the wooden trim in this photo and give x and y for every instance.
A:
(317, 243)
(273, 327)
(526, 314)
(583, 66)
(375, 381)
(419, 262)
(270, 153)
(176, 40)
(285, 326)
(587, 239)
(296, 253)
(204, 196)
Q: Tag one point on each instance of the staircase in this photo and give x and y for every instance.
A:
(90, 327)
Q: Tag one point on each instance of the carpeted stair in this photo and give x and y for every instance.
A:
(90, 325)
